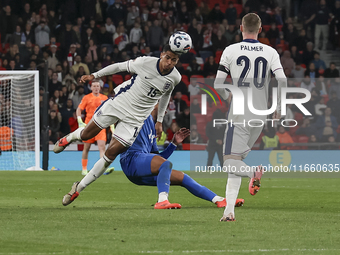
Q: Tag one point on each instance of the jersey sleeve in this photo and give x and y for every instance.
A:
(83, 103)
(275, 63)
(226, 59)
(133, 66)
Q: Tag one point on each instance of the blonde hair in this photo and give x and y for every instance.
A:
(251, 23)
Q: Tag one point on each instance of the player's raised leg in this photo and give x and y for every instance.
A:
(101, 147)
(114, 149)
(82, 133)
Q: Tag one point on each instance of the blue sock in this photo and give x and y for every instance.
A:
(197, 189)
(163, 177)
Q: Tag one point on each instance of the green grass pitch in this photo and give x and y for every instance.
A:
(114, 216)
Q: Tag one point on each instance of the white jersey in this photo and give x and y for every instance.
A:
(135, 99)
(250, 64)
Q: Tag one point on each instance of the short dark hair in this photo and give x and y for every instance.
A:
(166, 48)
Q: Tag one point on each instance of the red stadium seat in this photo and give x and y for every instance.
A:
(266, 28)
(185, 66)
(201, 125)
(127, 77)
(185, 79)
(185, 27)
(218, 56)
(292, 130)
(193, 147)
(239, 8)
(193, 51)
(118, 79)
(186, 99)
(303, 139)
(298, 117)
(198, 97)
(196, 76)
(282, 46)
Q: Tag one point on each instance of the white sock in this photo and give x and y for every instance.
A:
(98, 169)
(239, 168)
(75, 135)
(231, 193)
(217, 199)
(162, 196)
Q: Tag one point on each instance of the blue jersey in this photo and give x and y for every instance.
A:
(145, 141)
(136, 161)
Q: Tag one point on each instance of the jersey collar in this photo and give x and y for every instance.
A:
(159, 71)
(250, 40)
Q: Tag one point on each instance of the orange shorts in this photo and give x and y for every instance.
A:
(101, 136)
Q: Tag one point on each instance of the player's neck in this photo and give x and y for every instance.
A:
(95, 94)
(249, 36)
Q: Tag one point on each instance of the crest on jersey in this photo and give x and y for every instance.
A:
(167, 85)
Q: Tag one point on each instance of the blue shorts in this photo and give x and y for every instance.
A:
(137, 168)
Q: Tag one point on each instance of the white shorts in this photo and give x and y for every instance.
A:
(238, 140)
(126, 130)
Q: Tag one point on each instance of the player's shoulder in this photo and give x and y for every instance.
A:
(87, 96)
(176, 74)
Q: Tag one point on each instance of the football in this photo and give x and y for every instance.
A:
(180, 42)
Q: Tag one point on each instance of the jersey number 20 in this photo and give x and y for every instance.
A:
(246, 69)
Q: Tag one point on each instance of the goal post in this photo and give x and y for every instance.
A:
(19, 120)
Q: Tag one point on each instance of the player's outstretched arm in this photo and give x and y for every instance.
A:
(131, 66)
(86, 78)
(180, 135)
(178, 138)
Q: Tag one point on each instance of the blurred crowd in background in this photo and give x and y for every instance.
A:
(79, 37)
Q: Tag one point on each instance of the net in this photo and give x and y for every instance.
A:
(19, 120)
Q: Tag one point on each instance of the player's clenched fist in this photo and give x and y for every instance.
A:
(85, 78)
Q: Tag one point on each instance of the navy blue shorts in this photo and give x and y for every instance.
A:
(137, 169)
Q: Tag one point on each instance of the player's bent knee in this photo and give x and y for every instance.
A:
(167, 164)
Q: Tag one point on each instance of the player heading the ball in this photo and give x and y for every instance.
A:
(153, 80)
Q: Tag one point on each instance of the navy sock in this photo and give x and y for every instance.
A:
(163, 177)
(197, 189)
